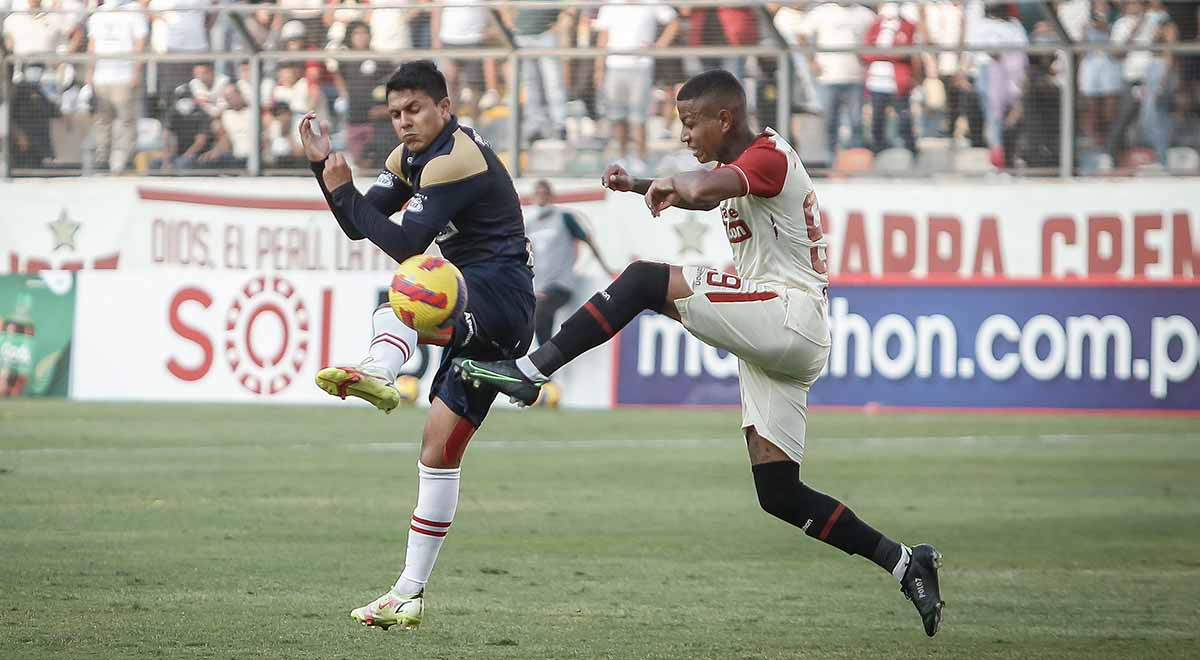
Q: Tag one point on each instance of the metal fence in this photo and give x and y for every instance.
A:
(904, 98)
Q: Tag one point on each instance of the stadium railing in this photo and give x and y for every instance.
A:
(47, 124)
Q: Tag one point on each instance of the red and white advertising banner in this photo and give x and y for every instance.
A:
(189, 335)
(1125, 229)
(223, 336)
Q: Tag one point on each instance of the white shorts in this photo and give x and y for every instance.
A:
(781, 339)
(627, 93)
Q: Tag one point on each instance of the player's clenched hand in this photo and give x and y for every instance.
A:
(316, 147)
(337, 172)
(617, 179)
(661, 196)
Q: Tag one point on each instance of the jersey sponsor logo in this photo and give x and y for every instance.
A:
(736, 230)
(386, 180)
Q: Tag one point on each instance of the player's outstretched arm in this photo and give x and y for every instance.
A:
(317, 149)
(398, 240)
(702, 190)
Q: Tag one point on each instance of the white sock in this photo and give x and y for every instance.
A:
(393, 342)
(901, 566)
(437, 499)
(531, 372)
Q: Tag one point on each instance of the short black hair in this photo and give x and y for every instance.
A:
(716, 84)
(542, 183)
(420, 75)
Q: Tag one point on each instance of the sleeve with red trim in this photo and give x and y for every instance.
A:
(763, 168)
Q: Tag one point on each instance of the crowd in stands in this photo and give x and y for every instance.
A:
(1003, 102)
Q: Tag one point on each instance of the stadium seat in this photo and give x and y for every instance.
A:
(853, 161)
(974, 161)
(1183, 160)
(934, 155)
(896, 161)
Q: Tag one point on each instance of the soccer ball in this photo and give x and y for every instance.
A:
(428, 293)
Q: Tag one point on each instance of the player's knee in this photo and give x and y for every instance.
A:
(646, 281)
(779, 489)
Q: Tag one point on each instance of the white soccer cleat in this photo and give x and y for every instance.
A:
(392, 609)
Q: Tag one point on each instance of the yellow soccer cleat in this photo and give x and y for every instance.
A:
(361, 382)
(390, 610)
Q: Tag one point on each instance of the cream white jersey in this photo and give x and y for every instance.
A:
(774, 229)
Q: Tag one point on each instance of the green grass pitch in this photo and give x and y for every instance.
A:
(155, 531)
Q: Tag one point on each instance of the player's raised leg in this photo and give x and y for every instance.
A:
(392, 344)
(783, 495)
(644, 285)
(442, 447)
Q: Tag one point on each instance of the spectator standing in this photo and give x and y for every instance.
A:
(391, 30)
(890, 79)
(839, 75)
(1137, 26)
(628, 80)
(944, 24)
(545, 106)
(115, 83)
(466, 26)
(1154, 113)
(33, 33)
(361, 82)
(178, 26)
(999, 73)
(1099, 76)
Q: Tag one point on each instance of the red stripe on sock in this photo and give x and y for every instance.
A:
(456, 444)
(399, 344)
(832, 519)
(426, 531)
(430, 523)
(604, 325)
(741, 297)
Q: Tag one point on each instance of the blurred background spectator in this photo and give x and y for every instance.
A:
(177, 26)
(890, 79)
(1138, 25)
(839, 75)
(626, 81)
(362, 84)
(542, 85)
(115, 84)
(999, 73)
(470, 81)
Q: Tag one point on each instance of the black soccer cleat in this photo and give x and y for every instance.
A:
(503, 375)
(920, 585)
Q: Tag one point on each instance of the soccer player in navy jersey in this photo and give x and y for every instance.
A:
(445, 184)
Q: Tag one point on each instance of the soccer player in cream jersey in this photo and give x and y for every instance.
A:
(772, 315)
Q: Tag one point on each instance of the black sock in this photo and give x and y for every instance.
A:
(783, 495)
(643, 285)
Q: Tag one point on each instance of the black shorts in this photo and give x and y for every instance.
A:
(497, 325)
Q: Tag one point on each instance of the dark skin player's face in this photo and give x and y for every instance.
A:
(417, 118)
(704, 130)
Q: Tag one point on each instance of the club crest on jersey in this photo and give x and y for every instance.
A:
(386, 180)
(415, 204)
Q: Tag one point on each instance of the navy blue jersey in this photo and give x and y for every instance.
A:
(458, 193)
